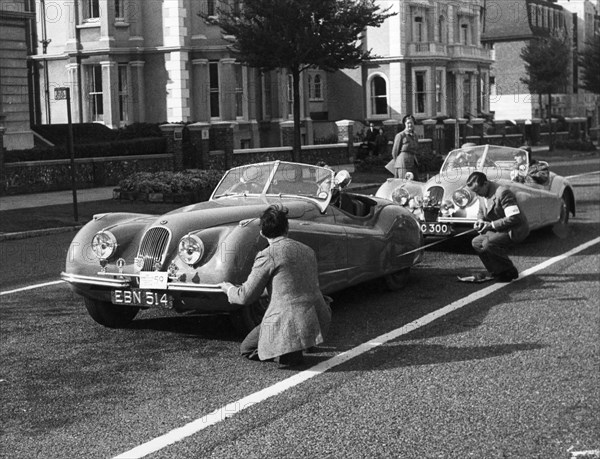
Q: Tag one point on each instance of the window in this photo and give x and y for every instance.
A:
(120, 9)
(213, 83)
(290, 93)
(420, 91)
(210, 7)
(442, 29)
(379, 105)
(418, 30)
(236, 7)
(239, 91)
(439, 91)
(123, 95)
(95, 102)
(315, 87)
(464, 34)
(266, 95)
(91, 9)
(467, 95)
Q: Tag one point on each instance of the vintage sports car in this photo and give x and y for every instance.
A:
(445, 206)
(123, 262)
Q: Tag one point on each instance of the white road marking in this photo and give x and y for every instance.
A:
(31, 287)
(592, 454)
(233, 408)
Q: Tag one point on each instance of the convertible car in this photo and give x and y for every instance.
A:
(123, 262)
(445, 206)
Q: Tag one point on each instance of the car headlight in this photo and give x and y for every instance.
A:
(462, 197)
(104, 244)
(191, 249)
(401, 196)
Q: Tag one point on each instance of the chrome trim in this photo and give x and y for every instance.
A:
(153, 246)
(465, 221)
(125, 283)
(185, 287)
(92, 280)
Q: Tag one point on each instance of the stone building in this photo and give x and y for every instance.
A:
(17, 39)
(430, 63)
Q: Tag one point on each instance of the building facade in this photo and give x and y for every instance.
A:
(17, 39)
(509, 27)
(430, 63)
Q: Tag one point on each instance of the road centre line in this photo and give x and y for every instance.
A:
(31, 287)
(231, 409)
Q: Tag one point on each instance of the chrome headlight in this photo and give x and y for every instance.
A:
(191, 249)
(104, 244)
(401, 196)
(462, 197)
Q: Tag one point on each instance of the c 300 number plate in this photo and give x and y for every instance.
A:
(435, 229)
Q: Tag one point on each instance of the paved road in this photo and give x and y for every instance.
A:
(512, 374)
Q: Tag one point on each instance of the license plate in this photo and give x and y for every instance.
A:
(435, 229)
(141, 297)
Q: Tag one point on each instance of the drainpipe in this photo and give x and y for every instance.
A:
(45, 41)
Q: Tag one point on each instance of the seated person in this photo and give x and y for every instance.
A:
(466, 157)
(531, 171)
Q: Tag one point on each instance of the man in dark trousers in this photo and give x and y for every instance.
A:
(500, 224)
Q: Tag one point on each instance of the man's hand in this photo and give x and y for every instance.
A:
(225, 286)
(482, 227)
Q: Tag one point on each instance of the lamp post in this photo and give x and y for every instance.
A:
(64, 93)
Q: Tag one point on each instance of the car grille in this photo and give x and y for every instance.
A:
(436, 193)
(153, 247)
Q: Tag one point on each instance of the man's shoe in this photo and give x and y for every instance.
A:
(290, 360)
(508, 276)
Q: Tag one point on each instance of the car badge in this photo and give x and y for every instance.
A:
(120, 265)
(163, 222)
(139, 263)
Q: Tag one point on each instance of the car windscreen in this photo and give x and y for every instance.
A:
(301, 180)
(250, 179)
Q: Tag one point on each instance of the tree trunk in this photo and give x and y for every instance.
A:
(551, 136)
(296, 92)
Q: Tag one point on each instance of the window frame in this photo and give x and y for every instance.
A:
(425, 71)
(372, 101)
(91, 10)
(214, 90)
(95, 101)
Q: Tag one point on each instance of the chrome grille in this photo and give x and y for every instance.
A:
(153, 247)
(436, 194)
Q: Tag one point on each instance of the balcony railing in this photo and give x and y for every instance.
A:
(429, 49)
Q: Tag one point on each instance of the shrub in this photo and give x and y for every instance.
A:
(577, 145)
(187, 181)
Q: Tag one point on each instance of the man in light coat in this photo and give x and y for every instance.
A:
(500, 224)
(297, 317)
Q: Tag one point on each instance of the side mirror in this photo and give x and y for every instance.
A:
(342, 179)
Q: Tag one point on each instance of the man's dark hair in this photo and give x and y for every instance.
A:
(477, 177)
(274, 221)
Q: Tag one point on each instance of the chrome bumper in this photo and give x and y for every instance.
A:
(124, 281)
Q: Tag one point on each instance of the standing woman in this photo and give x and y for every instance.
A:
(404, 151)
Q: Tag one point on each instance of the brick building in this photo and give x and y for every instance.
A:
(508, 27)
(17, 39)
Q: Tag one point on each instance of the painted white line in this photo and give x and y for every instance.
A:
(231, 409)
(591, 454)
(31, 287)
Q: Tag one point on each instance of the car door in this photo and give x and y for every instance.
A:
(327, 238)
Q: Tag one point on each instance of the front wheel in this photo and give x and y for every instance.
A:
(248, 317)
(565, 210)
(110, 315)
(398, 280)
